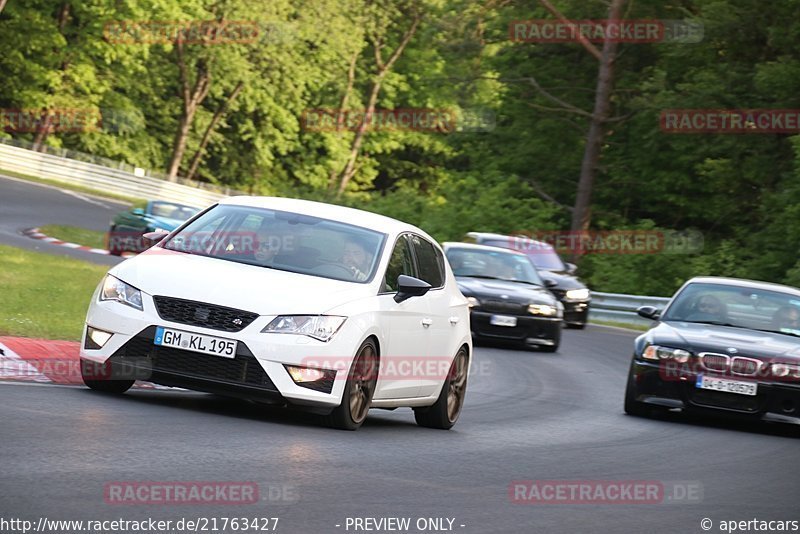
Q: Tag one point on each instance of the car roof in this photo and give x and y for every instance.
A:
(473, 246)
(343, 214)
(741, 282)
(523, 238)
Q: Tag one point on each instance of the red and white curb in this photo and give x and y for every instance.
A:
(34, 233)
(44, 361)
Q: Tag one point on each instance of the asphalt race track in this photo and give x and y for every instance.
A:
(25, 205)
(528, 417)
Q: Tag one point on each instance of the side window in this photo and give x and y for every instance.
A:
(400, 262)
(429, 259)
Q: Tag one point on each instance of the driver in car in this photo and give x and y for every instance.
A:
(357, 259)
(708, 308)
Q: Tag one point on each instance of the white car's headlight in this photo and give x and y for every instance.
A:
(543, 309)
(473, 302)
(578, 294)
(116, 289)
(321, 327)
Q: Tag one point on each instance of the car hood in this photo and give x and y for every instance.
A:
(246, 287)
(712, 338)
(515, 291)
(563, 280)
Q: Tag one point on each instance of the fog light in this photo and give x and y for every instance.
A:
(96, 339)
(305, 374)
(312, 378)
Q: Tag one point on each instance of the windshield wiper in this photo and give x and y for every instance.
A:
(717, 323)
(487, 277)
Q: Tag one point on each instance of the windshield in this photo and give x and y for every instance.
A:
(492, 264)
(736, 306)
(169, 210)
(541, 254)
(287, 241)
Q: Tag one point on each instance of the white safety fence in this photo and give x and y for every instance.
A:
(621, 308)
(102, 178)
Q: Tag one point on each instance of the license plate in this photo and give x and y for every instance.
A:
(503, 320)
(728, 386)
(216, 346)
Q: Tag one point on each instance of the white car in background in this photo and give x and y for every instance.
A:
(289, 302)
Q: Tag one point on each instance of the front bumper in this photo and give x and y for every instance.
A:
(575, 312)
(657, 385)
(530, 330)
(257, 371)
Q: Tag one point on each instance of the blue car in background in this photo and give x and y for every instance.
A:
(127, 228)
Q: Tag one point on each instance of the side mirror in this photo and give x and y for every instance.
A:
(408, 286)
(649, 312)
(151, 238)
(571, 268)
(139, 212)
(549, 282)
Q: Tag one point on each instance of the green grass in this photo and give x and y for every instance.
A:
(73, 234)
(45, 296)
(135, 202)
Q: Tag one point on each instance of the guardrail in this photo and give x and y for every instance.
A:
(118, 181)
(621, 308)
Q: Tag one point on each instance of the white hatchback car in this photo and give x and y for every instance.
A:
(289, 302)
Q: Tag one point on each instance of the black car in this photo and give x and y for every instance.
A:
(508, 299)
(721, 344)
(567, 287)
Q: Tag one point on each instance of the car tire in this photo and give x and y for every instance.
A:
(632, 406)
(444, 413)
(106, 385)
(358, 390)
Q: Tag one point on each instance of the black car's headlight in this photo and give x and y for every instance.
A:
(656, 352)
(577, 294)
(321, 327)
(785, 370)
(116, 289)
(543, 309)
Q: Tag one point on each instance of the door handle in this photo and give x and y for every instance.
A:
(427, 322)
(454, 320)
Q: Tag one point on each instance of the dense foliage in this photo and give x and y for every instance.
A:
(512, 162)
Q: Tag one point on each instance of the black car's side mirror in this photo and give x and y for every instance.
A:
(151, 238)
(571, 268)
(408, 286)
(649, 312)
(549, 282)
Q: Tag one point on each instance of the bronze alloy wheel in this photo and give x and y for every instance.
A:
(457, 386)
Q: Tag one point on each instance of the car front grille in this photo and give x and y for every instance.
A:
(141, 353)
(715, 362)
(202, 314)
(745, 366)
(501, 306)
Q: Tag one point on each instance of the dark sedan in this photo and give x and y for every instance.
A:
(508, 299)
(723, 345)
(127, 228)
(566, 286)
